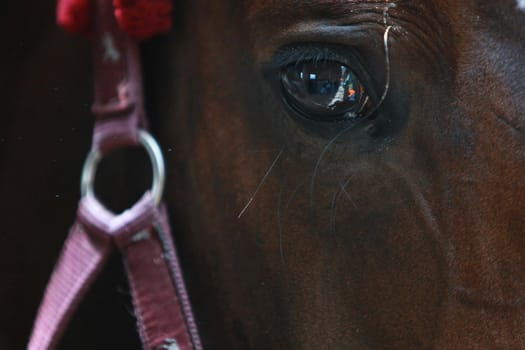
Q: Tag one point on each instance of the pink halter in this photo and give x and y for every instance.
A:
(142, 233)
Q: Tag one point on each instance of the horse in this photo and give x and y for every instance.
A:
(386, 217)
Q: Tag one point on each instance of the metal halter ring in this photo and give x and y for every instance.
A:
(157, 162)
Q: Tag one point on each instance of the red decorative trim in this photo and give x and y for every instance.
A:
(143, 18)
(74, 16)
(140, 19)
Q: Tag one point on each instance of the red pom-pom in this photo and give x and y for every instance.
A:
(74, 16)
(143, 18)
(138, 18)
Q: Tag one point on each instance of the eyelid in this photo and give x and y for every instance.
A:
(364, 37)
(314, 52)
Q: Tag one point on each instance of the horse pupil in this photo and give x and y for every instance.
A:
(324, 91)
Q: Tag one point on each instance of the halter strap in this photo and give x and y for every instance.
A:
(141, 233)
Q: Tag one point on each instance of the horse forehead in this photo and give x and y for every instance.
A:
(264, 4)
(275, 15)
(292, 7)
(506, 4)
(283, 7)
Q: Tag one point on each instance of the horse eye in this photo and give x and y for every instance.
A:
(326, 91)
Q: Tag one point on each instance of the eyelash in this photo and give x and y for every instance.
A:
(311, 53)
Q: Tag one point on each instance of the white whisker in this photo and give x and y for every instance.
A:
(261, 183)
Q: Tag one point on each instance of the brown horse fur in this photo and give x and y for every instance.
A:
(404, 235)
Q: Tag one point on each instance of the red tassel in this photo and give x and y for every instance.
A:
(143, 18)
(74, 16)
(139, 18)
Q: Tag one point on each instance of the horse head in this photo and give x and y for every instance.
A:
(340, 174)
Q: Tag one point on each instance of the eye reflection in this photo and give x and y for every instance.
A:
(325, 91)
